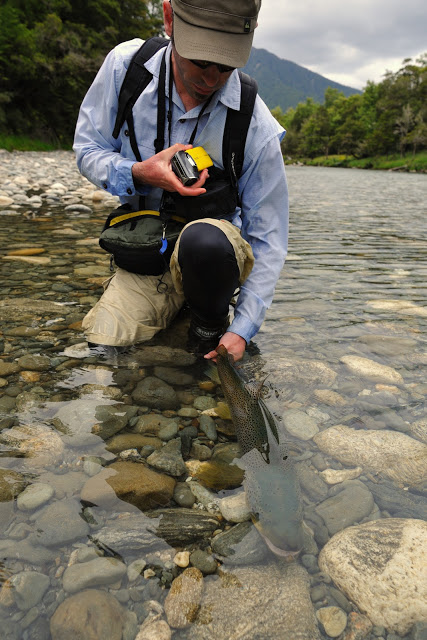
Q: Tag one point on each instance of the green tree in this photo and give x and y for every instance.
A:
(50, 51)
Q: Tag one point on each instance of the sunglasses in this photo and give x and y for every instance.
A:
(204, 64)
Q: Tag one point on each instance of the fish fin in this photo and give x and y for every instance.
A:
(212, 372)
(254, 388)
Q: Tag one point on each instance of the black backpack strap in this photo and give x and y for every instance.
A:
(136, 80)
(236, 128)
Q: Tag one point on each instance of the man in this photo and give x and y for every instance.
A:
(210, 39)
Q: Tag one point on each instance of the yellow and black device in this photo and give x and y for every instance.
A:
(188, 164)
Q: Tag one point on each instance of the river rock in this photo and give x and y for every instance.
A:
(169, 458)
(418, 430)
(28, 588)
(352, 503)
(34, 363)
(174, 376)
(399, 503)
(358, 627)
(164, 356)
(152, 392)
(158, 425)
(392, 454)
(404, 307)
(380, 566)
(8, 368)
(174, 527)
(388, 345)
(299, 371)
(283, 605)
(34, 496)
(329, 397)
(29, 310)
(125, 441)
(240, 545)
(333, 619)
(39, 444)
(372, 370)
(131, 482)
(111, 419)
(183, 600)
(97, 572)
(235, 508)
(336, 476)
(299, 424)
(91, 615)
(59, 523)
(11, 484)
(155, 630)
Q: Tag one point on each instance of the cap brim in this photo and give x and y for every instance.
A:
(195, 43)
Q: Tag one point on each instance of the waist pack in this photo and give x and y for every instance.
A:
(140, 241)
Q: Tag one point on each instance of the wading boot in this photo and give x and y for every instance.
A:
(204, 337)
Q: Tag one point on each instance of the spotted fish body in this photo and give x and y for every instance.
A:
(271, 482)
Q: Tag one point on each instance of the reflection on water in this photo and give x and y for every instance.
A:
(116, 472)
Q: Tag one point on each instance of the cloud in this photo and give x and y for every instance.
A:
(350, 42)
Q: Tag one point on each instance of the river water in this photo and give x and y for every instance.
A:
(342, 352)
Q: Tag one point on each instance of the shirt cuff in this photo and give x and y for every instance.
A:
(244, 328)
(125, 185)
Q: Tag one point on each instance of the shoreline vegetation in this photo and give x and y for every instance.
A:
(410, 163)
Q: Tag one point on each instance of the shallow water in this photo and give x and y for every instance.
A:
(354, 286)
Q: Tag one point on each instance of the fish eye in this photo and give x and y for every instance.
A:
(285, 457)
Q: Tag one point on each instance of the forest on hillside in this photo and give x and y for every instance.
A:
(50, 51)
(386, 118)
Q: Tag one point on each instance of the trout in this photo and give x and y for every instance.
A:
(271, 482)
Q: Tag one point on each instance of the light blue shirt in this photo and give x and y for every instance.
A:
(263, 217)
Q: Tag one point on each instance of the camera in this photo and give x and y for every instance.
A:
(188, 164)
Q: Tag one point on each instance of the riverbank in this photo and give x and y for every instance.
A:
(408, 163)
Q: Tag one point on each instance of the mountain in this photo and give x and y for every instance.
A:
(283, 83)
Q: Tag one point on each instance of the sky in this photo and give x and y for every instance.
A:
(348, 41)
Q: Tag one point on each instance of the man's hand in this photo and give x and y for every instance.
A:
(234, 344)
(157, 172)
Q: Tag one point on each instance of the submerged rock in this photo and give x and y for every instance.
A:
(389, 453)
(88, 614)
(381, 567)
(372, 370)
(280, 595)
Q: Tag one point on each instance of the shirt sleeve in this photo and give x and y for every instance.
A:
(97, 152)
(265, 216)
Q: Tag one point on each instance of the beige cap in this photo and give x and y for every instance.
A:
(215, 30)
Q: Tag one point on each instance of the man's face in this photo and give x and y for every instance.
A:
(199, 83)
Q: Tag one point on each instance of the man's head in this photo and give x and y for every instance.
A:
(218, 31)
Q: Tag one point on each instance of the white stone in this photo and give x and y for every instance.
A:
(34, 496)
(235, 508)
(299, 424)
(157, 630)
(182, 559)
(404, 307)
(135, 569)
(382, 567)
(335, 476)
(371, 369)
(5, 201)
(333, 619)
(391, 454)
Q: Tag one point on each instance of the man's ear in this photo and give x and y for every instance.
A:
(167, 17)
